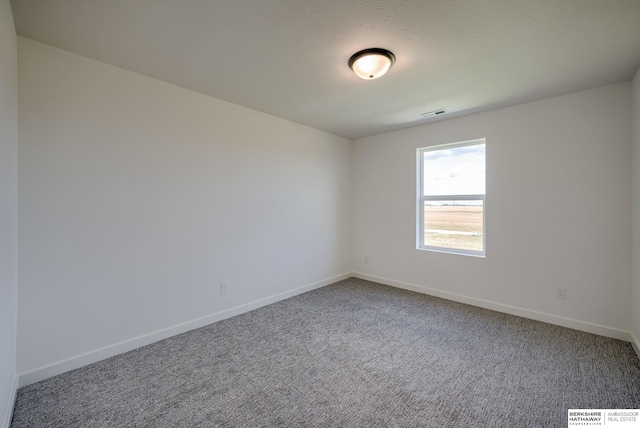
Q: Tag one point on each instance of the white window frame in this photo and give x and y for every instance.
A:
(421, 199)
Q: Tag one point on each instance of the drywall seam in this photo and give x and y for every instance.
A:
(12, 399)
(90, 357)
(508, 309)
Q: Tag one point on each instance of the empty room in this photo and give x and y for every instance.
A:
(319, 213)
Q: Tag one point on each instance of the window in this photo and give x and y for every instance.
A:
(451, 198)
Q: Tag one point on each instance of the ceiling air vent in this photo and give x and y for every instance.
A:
(432, 113)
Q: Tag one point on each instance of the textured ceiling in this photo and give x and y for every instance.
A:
(289, 58)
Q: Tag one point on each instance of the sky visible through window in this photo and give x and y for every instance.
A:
(455, 171)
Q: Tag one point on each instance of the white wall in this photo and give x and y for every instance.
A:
(558, 211)
(8, 210)
(636, 211)
(138, 198)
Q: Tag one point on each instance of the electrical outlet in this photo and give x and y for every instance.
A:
(224, 288)
(561, 293)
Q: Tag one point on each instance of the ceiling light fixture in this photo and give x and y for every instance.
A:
(371, 63)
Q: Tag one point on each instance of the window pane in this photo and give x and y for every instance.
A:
(454, 224)
(454, 171)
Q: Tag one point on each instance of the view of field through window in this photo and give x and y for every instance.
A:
(454, 226)
(453, 193)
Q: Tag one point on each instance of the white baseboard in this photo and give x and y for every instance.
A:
(96, 355)
(635, 343)
(512, 310)
(12, 399)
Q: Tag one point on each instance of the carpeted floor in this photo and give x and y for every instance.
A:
(353, 354)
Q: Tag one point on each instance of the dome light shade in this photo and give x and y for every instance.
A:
(371, 63)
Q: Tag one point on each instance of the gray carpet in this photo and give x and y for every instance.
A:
(353, 354)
